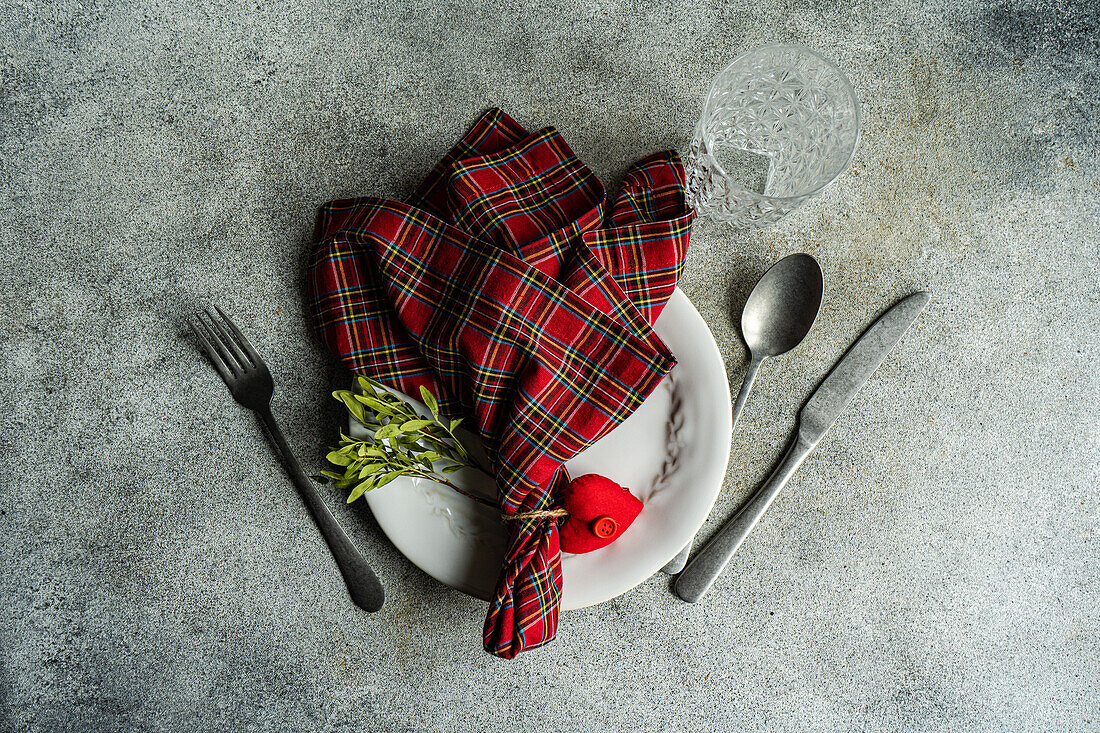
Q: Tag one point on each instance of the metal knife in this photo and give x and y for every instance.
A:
(814, 420)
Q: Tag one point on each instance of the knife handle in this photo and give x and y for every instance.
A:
(697, 578)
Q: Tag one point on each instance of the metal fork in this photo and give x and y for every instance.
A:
(249, 381)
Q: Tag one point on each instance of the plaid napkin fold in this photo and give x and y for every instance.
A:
(523, 300)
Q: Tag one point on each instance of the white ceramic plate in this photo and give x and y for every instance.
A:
(671, 453)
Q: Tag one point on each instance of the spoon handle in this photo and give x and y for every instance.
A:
(746, 387)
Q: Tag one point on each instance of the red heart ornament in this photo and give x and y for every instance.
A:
(599, 512)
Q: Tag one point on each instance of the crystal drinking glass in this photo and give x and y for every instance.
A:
(779, 124)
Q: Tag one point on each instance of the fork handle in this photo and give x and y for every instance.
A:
(363, 584)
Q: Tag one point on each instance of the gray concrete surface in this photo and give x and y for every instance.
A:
(932, 567)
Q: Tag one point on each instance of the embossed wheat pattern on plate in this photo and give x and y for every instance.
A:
(673, 444)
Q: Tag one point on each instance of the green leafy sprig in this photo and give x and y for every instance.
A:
(399, 442)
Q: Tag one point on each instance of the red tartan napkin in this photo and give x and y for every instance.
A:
(508, 287)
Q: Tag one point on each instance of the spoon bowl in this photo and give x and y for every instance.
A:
(783, 306)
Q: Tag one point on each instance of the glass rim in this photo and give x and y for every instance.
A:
(848, 88)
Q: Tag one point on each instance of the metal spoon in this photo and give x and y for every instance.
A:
(780, 311)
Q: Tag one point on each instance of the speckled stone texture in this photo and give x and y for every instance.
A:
(931, 567)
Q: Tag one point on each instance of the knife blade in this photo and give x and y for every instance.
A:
(814, 420)
(856, 367)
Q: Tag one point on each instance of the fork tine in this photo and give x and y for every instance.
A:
(227, 339)
(241, 340)
(224, 342)
(211, 353)
(218, 339)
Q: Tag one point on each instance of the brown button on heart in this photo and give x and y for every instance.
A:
(604, 527)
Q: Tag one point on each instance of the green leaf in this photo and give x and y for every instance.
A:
(386, 431)
(386, 478)
(430, 456)
(332, 475)
(429, 399)
(361, 488)
(387, 408)
(455, 424)
(338, 458)
(385, 394)
(367, 386)
(380, 408)
(452, 469)
(351, 403)
(368, 469)
(415, 425)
